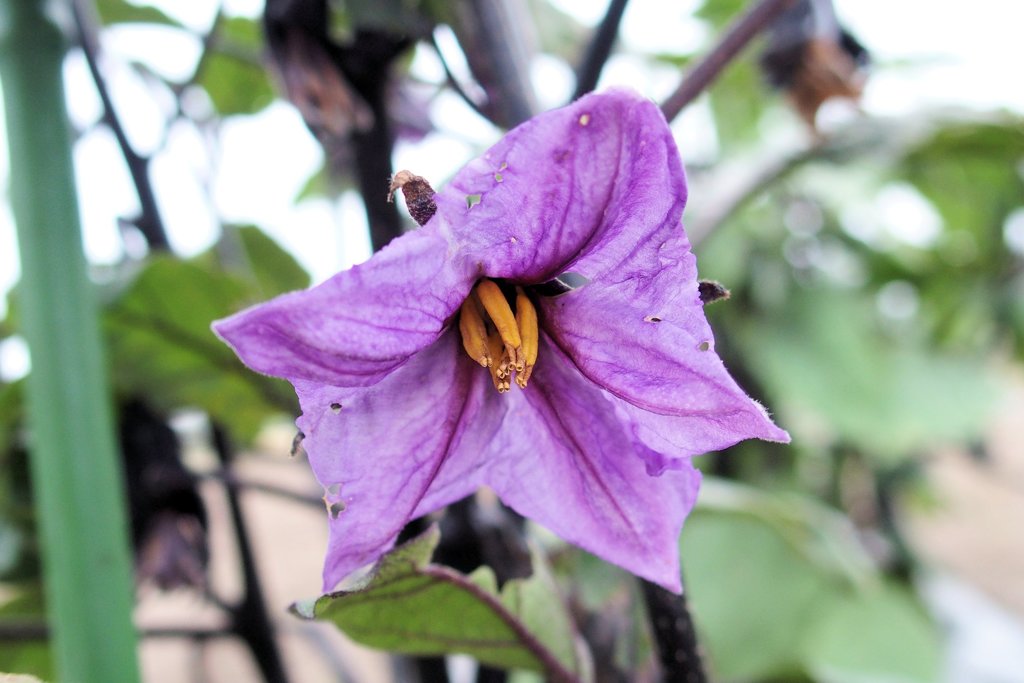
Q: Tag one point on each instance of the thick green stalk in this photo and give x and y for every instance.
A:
(75, 470)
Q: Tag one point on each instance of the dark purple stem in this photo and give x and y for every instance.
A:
(736, 37)
(249, 618)
(149, 222)
(674, 635)
(600, 49)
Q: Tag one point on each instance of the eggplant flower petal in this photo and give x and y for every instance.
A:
(410, 444)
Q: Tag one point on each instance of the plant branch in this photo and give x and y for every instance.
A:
(493, 36)
(453, 82)
(736, 37)
(674, 635)
(720, 209)
(249, 618)
(589, 71)
(149, 222)
(228, 478)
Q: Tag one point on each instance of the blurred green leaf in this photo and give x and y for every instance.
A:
(158, 332)
(738, 99)
(11, 412)
(23, 604)
(323, 184)
(402, 17)
(271, 269)
(120, 11)
(720, 12)
(970, 172)
(411, 606)
(821, 533)
(232, 73)
(781, 589)
(832, 376)
(882, 635)
(752, 594)
(558, 33)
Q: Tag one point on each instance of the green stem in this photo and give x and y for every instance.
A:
(78, 492)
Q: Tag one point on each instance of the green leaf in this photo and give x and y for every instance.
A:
(781, 589)
(23, 602)
(558, 33)
(832, 376)
(969, 171)
(821, 533)
(411, 606)
(232, 74)
(121, 12)
(326, 185)
(273, 269)
(752, 592)
(235, 86)
(402, 17)
(879, 636)
(738, 98)
(159, 333)
(720, 12)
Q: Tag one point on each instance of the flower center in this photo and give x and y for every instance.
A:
(498, 338)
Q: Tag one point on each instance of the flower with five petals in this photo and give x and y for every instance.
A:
(617, 381)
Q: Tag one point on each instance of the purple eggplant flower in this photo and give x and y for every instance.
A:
(618, 381)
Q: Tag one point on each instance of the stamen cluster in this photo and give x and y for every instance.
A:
(498, 338)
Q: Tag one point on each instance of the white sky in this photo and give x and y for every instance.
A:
(929, 53)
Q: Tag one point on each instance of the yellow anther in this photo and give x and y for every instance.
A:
(474, 332)
(501, 316)
(498, 375)
(526, 321)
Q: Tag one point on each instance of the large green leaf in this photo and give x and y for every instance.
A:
(970, 172)
(161, 345)
(781, 589)
(411, 606)
(876, 636)
(832, 376)
(752, 592)
(256, 258)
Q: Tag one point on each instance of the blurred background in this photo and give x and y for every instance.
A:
(856, 181)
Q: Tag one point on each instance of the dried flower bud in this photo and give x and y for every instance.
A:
(419, 195)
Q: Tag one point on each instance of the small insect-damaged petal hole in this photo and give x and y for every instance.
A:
(704, 346)
(335, 408)
(335, 509)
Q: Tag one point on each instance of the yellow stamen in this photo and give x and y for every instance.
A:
(501, 315)
(526, 321)
(499, 370)
(474, 332)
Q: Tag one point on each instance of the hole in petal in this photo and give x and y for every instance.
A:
(472, 200)
(335, 408)
(332, 490)
(704, 346)
(574, 280)
(498, 177)
(652, 319)
(335, 509)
